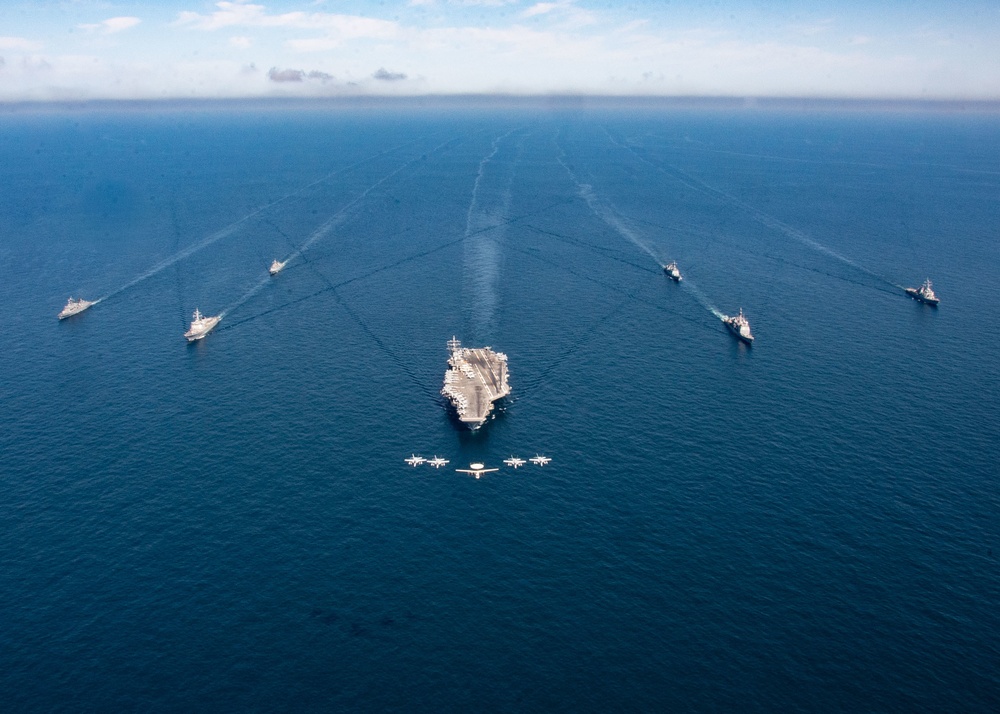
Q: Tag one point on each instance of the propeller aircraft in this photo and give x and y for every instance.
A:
(476, 469)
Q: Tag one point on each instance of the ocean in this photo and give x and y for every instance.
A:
(810, 523)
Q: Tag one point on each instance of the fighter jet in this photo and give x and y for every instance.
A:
(437, 462)
(515, 462)
(415, 460)
(476, 469)
(540, 460)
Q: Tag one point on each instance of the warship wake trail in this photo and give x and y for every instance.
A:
(341, 214)
(610, 217)
(232, 227)
(700, 297)
(186, 253)
(485, 225)
(327, 226)
(608, 214)
(248, 294)
(331, 287)
(763, 218)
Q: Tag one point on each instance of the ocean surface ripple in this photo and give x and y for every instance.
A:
(810, 524)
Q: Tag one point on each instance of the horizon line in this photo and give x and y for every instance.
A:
(550, 101)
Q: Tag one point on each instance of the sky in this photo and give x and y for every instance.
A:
(58, 50)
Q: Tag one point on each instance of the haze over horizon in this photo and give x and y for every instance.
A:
(181, 49)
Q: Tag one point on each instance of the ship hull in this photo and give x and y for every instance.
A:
(76, 311)
(915, 294)
(476, 378)
(201, 334)
(742, 338)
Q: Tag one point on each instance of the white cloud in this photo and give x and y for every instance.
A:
(572, 17)
(466, 3)
(552, 46)
(313, 44)
(337, 28)
(541, 8)
(111, 25)
(233, 14)
(19, 43)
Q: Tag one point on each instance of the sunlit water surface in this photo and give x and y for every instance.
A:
(808, 524)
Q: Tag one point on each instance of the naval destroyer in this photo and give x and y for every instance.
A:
(924, 294)
(739, 326)
(276, 267)
(476, 377)
(673, 272)
(75, 307)
(201, 326)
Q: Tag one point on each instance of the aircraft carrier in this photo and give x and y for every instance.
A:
(476, 377)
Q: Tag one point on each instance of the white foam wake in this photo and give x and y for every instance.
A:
(485, 226)
(760, 216)
(603, 210)
(344, 211)
(324, 229)
(232, 227)
(609, 215)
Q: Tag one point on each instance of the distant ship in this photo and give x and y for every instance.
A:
(201, 326)
(739, 326)
(75, 307)
(476, 377)
(673, 272)
(925, 293)
(276, 267)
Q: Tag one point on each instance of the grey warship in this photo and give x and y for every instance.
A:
(739, 326)
(924, 294)
(673, 272)
(476, 377)
(276, 267)
(201, 325)
(75, 307)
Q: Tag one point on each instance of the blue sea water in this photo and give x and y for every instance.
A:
(808, 524)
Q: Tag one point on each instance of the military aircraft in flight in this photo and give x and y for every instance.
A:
(476, 469)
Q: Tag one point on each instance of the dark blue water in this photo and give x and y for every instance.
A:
(810, 524)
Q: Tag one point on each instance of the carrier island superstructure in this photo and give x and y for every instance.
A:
(476, 377)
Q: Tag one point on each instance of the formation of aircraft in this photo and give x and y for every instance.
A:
(476, 469)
